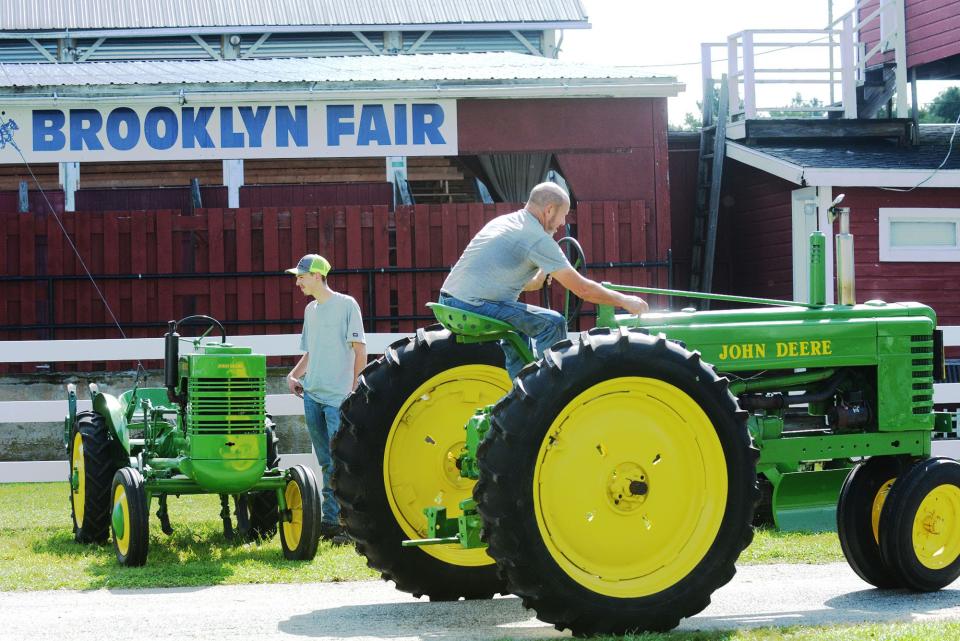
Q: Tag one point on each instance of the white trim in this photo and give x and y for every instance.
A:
(802, 224)
(881, 177)
(765, 162)
(919, 254)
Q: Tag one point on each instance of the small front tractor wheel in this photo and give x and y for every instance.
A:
(130, 519)
(396, 454)
(861, 502)
(617, 484)
(920, 525)
(300, 530)
(256, 512)
(91, 471)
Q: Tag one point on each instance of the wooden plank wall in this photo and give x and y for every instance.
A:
(933, 31)
(229, 263)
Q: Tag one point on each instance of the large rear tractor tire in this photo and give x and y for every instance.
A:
(920, 525)
(91, 471)
(396, 453)
(617, 484)
(861, 502)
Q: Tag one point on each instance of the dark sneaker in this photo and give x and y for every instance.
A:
(329, 531)
(341, 539)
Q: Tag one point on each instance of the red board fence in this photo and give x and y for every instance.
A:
(152, 266)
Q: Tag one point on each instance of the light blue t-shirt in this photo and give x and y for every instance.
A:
(328, 330)
(502, 258)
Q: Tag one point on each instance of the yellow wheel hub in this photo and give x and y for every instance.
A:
(877, 508)
(630, 487)
(936, 528)
(77, 471)
(121, 505)
(293, 529)
(419, 463)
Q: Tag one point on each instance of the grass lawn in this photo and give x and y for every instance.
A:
(37, 551)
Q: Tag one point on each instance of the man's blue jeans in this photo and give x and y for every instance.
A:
(544, 326)
(323, 421)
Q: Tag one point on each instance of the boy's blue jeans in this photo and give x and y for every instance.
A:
(323, 421)
(544, 326)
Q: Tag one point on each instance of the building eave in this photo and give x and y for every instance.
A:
(765, 162)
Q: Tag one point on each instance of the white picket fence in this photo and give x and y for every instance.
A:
(277, 404)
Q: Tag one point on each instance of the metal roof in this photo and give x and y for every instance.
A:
(43, 15)
(452, 74)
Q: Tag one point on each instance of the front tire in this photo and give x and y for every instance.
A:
(920, 525)
(256, 512)
(617, 484)
(91, 473)
(862, 497)
(130, 521)
(300, 534)
(396, 454)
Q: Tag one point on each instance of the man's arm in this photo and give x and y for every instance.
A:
(359, 361)
(293, 378)
(593, 292)
(536, 282)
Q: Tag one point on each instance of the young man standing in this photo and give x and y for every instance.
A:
(335, 352)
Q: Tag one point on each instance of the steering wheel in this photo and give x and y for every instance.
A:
(213, 323)
(578, 260)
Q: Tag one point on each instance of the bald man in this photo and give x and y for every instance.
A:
(514, 253)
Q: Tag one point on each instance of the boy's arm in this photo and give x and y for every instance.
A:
(293, 378)
(359, 361)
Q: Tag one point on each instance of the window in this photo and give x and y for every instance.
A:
(919, 235)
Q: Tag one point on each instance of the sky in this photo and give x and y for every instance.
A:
(664, 36)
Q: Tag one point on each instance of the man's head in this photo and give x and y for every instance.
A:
(550, 203)
(311, 273)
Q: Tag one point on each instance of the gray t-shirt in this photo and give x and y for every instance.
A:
(328, 330)
(502, 258)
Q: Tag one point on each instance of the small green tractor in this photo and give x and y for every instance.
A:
(204, 432)
(613, 484)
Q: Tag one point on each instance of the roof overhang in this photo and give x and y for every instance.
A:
(842, 176)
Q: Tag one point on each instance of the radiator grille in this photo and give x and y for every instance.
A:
(921, 350)
(226, 406)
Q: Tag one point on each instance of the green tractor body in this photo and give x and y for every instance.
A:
(616, 482)
(206, 432)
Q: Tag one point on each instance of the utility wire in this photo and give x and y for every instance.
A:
(13, 143)
(935, 171)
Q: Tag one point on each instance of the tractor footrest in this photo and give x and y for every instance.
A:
(463, 530)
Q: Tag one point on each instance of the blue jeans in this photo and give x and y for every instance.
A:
(323, 421)
(544, 326)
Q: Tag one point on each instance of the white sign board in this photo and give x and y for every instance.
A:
(90, 133)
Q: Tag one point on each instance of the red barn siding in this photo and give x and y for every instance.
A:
(934, 284)
(755, 233)
(683, 205)
(933, 30)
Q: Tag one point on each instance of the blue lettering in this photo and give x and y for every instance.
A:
(373, 126)
(123, 116)
(195, 127)
(292, 126)
(151, 128)
(424, 129)
(400, 124)
(255, 121)
(48, 130)
(339, 123)
(84, 125)
(229, 137)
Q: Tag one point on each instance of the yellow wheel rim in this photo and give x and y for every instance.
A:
(120, 500)
(426, 436)
(878, 501)
(293, 529)
(77, 467)
(630, 487)
(936, 527)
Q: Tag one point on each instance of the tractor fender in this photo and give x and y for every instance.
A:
(107, 406)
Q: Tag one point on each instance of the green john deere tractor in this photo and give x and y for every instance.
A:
(204, 432)
(612, 485)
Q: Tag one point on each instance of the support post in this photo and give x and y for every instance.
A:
(69, 182)
(23, 201)
(848, 70)
(733, 77)
(233, 179)
(749, 84)
(397, 175)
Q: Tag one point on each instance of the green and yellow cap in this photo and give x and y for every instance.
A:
(311, 264)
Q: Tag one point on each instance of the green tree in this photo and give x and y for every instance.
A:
(797, 102)
(944, 108)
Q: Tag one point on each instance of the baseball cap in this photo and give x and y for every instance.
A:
(311, 264)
